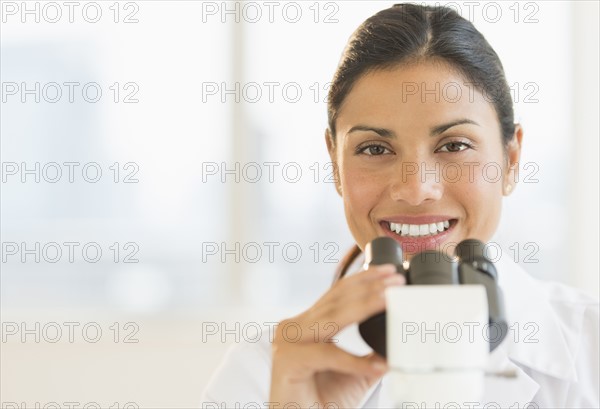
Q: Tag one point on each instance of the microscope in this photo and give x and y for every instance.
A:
(438, 330)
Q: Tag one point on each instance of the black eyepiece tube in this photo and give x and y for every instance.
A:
(470, 249)
(432, 267)
(382, 250)
(476, 268)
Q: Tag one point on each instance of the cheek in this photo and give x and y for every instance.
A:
(480, 194)
(361, 193)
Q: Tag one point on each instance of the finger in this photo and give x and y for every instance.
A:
(358, 305)
(365, 280)
(370, 273)
(356, 301)
(338, 360)
(305, 360)
(342, 307)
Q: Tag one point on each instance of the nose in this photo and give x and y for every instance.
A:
(416, 183)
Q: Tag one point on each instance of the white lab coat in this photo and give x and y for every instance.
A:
(560, 370)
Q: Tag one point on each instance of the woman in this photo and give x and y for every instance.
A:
(418, 108)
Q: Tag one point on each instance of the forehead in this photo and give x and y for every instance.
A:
(416, 95)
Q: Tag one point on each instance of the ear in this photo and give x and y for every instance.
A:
(513, 153)
(331, 148)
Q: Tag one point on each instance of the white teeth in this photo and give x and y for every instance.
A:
(413, 230)
(404, 229)
(418, 230)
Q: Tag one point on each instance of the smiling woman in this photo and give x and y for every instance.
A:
(428, 168)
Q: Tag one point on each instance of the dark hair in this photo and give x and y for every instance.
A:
(407, 33)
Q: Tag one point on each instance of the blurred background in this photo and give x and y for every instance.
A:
(166, 187)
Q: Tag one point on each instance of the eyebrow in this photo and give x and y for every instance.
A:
(436, 130)
(386, 133)
(442, 128)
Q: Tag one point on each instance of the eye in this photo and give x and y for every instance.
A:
(455, 146)
(373, 150)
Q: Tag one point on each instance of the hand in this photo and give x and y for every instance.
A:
(309, 370)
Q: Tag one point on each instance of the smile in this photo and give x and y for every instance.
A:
(427, 232)
(419, 230)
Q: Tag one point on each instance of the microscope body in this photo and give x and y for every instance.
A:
(435, 348)
(438, 330)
